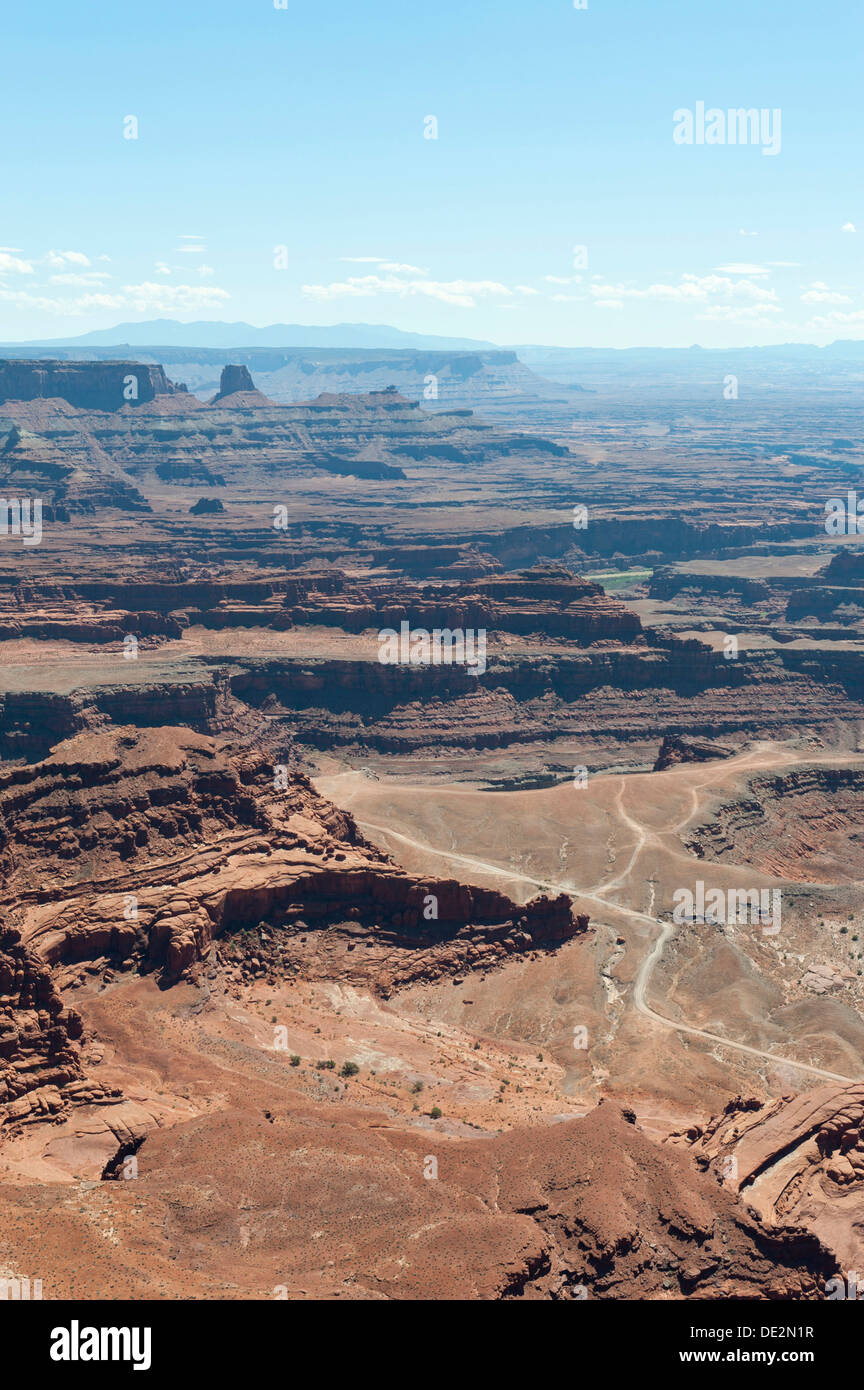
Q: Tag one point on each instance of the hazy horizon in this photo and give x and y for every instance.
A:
(112, 337)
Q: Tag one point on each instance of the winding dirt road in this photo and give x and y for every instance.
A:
(643, 976)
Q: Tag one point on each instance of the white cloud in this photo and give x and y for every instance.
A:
(205, 271)
(396, 269)
(59, 259)
(190, 250)
(84, 304)
(464, 293)
(819, 293)
(391, 267)
(10, 264)
(150, 297)
(838, 316)
(741, 232)
(393, 277)
(741, 268)
(143, 298)
(848, 227)
(691, 288)
(72, 277)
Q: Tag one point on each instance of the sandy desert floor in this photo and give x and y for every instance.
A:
(651, 1003)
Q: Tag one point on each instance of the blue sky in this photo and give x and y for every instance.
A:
(303, 128)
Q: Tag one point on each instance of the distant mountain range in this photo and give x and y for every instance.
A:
(212, 334)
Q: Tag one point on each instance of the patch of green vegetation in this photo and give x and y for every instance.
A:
(620, 579)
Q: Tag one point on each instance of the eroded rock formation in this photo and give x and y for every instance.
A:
(40, 1067)
(795, 1160)
(155, 843)
(677, 749)
(799, 826)
(87, 385)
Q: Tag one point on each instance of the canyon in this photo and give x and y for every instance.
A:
(360, 979)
